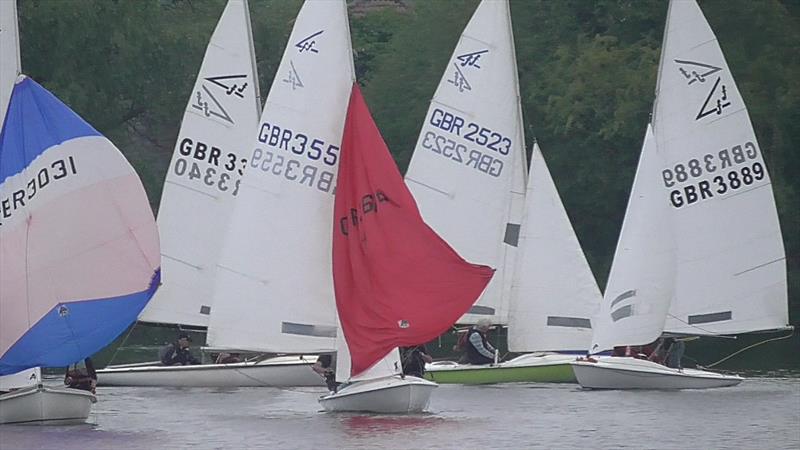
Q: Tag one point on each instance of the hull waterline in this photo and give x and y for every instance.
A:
(630, 373)
(391, 395)
(283, 371)
(529, 368)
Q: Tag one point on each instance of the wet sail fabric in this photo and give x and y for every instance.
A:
(731, 264)
(555, 294)
(9, 49)
(468, 168)
(397, 282)
(79, 252)
(641, 282)
(203, 178)
(274, 286)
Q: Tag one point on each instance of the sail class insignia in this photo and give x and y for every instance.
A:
(697, 72)
(206, 101)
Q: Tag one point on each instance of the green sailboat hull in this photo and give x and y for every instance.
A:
(554, 373)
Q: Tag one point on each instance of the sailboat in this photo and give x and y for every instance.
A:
(201, 187)
(469, 168)
(397, 282)
(273, 290)
(700, 251)
(79, 252)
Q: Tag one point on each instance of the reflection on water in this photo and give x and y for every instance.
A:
(759, 413)
(371, 426)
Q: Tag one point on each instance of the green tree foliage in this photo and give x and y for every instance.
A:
(587, 75)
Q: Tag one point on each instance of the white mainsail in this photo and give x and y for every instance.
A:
(204, 176)
(731, 266)
(555, 294)
(274, 290)
(641, 282)
(10, 67)
(467, 172)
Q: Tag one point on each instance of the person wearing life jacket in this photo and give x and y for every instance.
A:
(478, 349)
(178, 353)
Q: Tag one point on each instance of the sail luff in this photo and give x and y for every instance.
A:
(251, 44)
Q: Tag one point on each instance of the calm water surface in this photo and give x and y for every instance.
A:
(761, 413)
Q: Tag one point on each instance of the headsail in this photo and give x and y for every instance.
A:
(468, 167)
(207, 164)
(79, 252)
(555, 294)
(276, 258)
(641, 283)
(731, 266)
(9, 49)
(397, 282)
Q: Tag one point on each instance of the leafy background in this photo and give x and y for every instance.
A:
(587, 75)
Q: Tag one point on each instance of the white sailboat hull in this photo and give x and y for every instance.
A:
(282, 371)
(391, 395)
(45, 405)
(613, 372)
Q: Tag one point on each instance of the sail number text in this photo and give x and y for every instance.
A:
(482, 162)
(57, 170)
(225, 170)
(713, 174)
(296, 157)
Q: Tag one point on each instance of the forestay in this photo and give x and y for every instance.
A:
(274, 290)
(397, 282)
(468, 168)
(204, 175)
(555, 293)
(79, 253)
(641, 282)
(731, 268)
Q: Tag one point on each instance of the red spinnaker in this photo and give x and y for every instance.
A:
(397, 282)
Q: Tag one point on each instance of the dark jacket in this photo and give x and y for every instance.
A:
(411, 357)
(81, 378)
(474, 354)
(173, 354)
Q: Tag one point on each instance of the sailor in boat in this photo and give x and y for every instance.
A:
(227, 358)
(414, 360)
(84, 378)
(178, 353)
(325, 367)
(478, 349)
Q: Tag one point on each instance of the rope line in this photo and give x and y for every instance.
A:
(791, 333)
